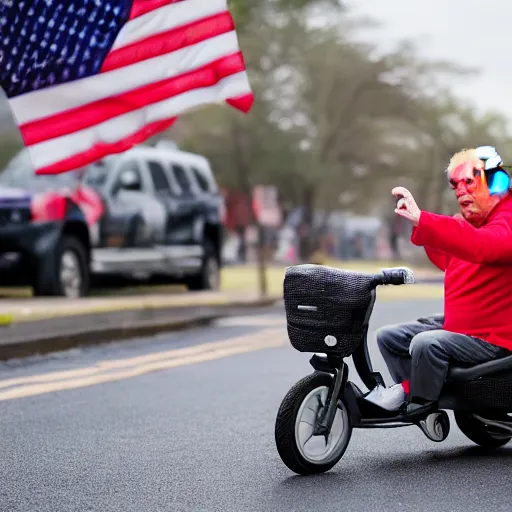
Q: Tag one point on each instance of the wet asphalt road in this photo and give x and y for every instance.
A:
(197, 434)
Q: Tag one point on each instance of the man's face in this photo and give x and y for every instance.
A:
(468, 181)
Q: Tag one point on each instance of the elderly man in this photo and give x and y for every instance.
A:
(474, 249)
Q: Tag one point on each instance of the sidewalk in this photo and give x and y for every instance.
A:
(41, 308)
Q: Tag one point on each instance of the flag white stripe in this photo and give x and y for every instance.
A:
(167, 18)
(53, 100)
(120, 127)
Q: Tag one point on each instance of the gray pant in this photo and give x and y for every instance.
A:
(421, 352)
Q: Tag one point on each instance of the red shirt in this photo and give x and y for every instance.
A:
(478, 271)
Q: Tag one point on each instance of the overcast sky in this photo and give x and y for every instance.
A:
(475, 33)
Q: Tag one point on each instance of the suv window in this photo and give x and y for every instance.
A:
(181, 178)
(159, 178)
(96, 175)
(203, 183)
(129, 178)
(19, 173)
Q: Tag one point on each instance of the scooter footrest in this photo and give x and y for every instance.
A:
(370, 410)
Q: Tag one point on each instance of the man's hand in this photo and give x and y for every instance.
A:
(406, 206)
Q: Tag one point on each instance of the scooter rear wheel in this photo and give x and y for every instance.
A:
(295, 422)
(479, 433)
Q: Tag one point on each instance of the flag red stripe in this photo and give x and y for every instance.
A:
(169, 41)
(98, 151)
(243, 103)
(94, 113)
(140, 7)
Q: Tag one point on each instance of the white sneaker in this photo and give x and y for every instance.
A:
(390, 398)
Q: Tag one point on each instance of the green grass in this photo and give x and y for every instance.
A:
(236, 281)
(242, 278)
(236, 278)
(5, 320)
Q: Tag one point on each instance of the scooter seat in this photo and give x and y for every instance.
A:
(460, 373)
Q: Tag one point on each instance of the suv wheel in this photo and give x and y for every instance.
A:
(209, 275)
(67, 275)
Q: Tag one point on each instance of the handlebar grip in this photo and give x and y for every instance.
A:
(397, 276)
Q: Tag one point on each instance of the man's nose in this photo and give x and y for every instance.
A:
(461, 189)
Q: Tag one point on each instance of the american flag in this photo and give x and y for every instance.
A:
(88, 78)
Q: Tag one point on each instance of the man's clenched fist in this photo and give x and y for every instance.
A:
(406, 206)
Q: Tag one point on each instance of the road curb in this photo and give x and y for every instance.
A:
(26, 339)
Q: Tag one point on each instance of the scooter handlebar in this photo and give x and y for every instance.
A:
(395, 276)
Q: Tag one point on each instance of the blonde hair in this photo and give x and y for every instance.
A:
(461, 157)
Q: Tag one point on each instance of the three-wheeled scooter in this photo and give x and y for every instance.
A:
(328, 312)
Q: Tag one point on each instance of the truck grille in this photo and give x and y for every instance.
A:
(14, 216)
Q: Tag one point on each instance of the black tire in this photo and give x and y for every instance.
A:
(477, 432)
(48, 281)
(208, 277)
(285, 427)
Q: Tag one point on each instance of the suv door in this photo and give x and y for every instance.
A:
(167, 195)
(213, 201)
(132, 208)
(188, 216)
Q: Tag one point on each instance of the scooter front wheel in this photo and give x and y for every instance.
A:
(299, 448)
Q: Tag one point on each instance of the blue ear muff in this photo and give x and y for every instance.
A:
(498, 182)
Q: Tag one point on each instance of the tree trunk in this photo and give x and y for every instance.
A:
(306, 233)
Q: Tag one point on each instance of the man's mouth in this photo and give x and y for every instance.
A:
(465, 202)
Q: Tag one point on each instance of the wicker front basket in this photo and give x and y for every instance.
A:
(326, 308)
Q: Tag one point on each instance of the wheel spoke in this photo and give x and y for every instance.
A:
(305, 431)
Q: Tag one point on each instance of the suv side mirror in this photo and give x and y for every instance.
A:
(128, 180)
